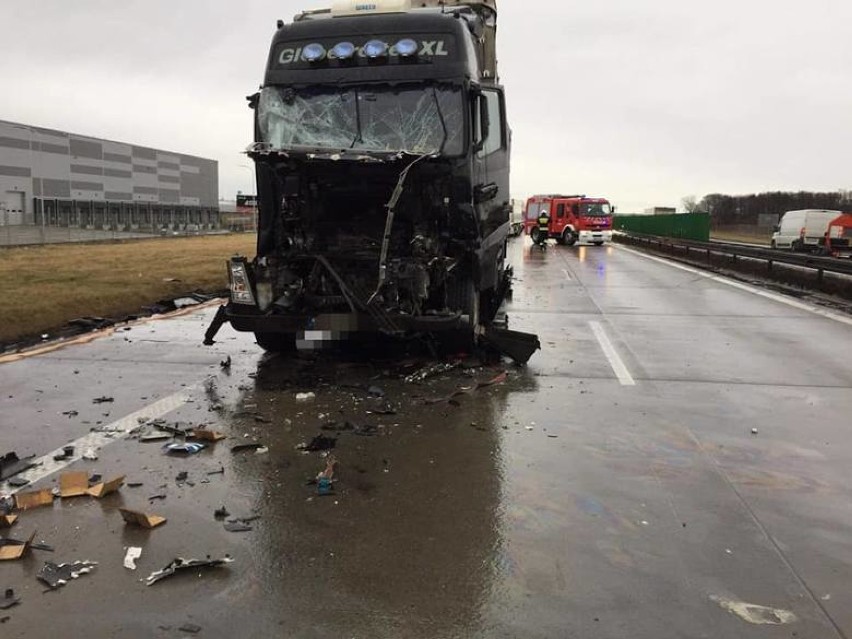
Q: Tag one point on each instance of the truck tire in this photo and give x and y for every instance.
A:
(462, 296)
(598, 243)
(568, 238)
(276, 342)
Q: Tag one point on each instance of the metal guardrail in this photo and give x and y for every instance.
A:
(706, 250)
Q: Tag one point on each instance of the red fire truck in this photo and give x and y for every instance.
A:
(573, 218)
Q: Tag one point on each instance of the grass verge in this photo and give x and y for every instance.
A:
(43, 287)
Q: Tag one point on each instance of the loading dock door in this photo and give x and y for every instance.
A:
(14, 209)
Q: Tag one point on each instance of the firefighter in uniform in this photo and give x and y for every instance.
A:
(542, 230)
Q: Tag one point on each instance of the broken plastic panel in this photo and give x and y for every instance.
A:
(381, 119)
(185, 564)
(57, 575)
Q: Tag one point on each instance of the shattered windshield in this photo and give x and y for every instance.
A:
(417, 120)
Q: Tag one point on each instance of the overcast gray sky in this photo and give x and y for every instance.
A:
(640, 102)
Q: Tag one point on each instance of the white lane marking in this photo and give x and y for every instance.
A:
(567, 274)
(100, 438)
(816, 310)
(612, 356)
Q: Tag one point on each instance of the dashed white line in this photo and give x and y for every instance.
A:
(46, 466)
(615, 361)
(816, 310)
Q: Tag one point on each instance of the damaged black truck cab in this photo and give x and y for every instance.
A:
(382, 163)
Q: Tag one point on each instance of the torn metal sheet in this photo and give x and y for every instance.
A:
(133, 553)
(186, 448)
(11, 465)
(57, 575)
(144, 520)
(185, 564)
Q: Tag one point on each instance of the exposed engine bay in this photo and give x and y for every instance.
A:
(352, 237)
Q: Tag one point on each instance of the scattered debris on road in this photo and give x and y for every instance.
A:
(191, 628)
(34, 499)
(6, 521)
(320, 442)
(90, 455)
(11, 465)
(305, 397)
(12, 549)
(180, 564)
(184, 448)
(247, 446)
(225, 364)
(133, 553)
(144, 520)
(207, 435)
(754, 431)
(103, 400)
(431, 371)
(102, 489)
(57, 575)
(9, 599)
(221, 513)
(73, 484)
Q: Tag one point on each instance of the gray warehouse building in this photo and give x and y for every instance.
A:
(54, 178)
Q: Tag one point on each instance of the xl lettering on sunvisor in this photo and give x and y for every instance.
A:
(290, 55)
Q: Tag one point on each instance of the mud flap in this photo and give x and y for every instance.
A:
(218, 320)
(519, 346)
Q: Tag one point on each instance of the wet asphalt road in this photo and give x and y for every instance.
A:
(613, 488)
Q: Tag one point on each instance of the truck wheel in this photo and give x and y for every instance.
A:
(569, 238)
(463, 297)
(598, 243)
(276, 342)
(560, 240)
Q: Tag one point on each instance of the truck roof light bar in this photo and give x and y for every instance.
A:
(313, 52)
(343, 50)
(406, 48)
(376, 49)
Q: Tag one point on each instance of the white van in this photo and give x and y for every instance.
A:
(802, 230)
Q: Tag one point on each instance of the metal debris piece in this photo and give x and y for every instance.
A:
(70, 413)
(103, 400)
(133, 553)
(221, 513)
(191, 628)
(73, 484)
(103, 489)
(375, 391)
(90, 455)
(305, 397)
(226, 363)
(6, 521)
(155, 437)
(57, 575)
(320, 442)
(11, 465)
(237, 525)
(18, 482)
(9, 599)
(430, 371)
(247, 446)
(185, 448)
(182, 476)
(185, 564)
(754, 431)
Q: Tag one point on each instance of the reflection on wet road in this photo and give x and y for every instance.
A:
(565, 501)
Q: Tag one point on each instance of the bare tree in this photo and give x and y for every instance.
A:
(689, 204)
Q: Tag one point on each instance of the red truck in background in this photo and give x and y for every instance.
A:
(573, 218)
(838, 238)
